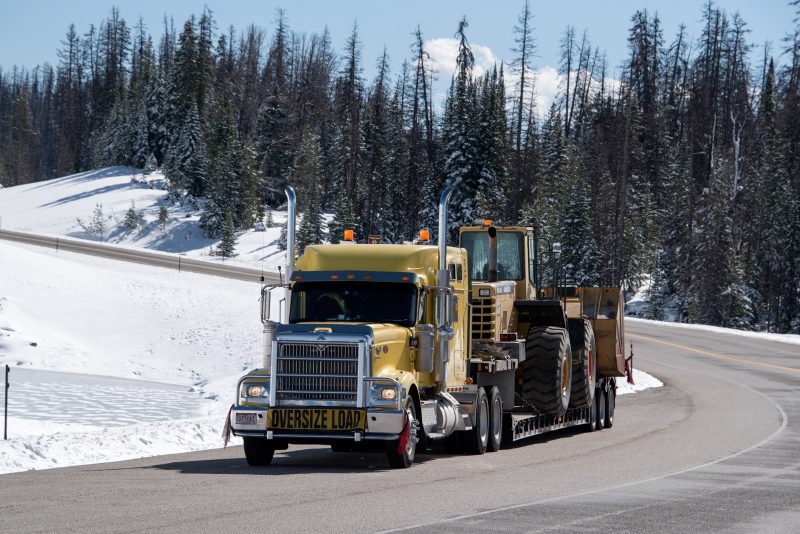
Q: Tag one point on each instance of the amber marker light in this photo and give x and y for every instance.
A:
(335, 277)
(424, 235)
(351, 277)
(487, 223)
(349, 235)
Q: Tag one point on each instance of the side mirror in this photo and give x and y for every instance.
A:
(424, 359)
(265, 304)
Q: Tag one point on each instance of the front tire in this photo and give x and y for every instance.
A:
(258, 451)
(547, 370)
(405, 458)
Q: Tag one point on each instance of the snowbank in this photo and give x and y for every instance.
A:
(792, 339)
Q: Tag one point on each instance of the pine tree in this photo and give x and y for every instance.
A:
(227, 244)
(131, 221)
(163, 217)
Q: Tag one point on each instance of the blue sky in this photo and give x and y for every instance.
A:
(31, 31)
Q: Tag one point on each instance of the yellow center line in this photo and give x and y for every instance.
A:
(717, 355)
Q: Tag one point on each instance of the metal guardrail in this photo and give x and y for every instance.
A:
(146, 257)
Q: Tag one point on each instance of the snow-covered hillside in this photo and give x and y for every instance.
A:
(53, 207)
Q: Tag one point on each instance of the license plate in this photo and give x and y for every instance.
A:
(317, 419)
(245, 418)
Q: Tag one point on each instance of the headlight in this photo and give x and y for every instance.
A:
(251, 391)
(385, 392)
(254, 390)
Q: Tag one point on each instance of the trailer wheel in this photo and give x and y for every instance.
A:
(495, 419)
(600, 408)
(258, 451)
(611, 401)
(404, 458)
(584, 370)
(477, 439)
(547, 370)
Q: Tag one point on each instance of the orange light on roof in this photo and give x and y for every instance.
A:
(487, 223)
(298, 277)
(348, 235)
(367, 277)
(405, 278)
(351, 277)
(335, 277)
(424, 235)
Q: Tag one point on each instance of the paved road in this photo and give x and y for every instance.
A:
(716, 449)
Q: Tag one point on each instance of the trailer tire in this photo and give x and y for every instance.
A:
(404, 459)
(584, 370)
(611, 401)
(547, 370)
(477, 439)
(495, 420)
(600, 408)
(258, 451)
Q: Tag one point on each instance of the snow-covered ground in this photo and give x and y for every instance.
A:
(113, 360)
(792, 339)
(179, 340)
(53, 207)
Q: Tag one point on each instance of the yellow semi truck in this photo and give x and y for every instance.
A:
(399, 346)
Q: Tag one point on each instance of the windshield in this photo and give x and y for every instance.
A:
(363, 302)
(510, 255)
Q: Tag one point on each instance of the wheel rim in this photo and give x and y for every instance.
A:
(483, 422)
(411, 446)
(564, 375)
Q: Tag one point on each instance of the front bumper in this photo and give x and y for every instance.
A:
(382, 425)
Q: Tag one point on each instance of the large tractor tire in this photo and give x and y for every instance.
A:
(547, 370)
(584, 370)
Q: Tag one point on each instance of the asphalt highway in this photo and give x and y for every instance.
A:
(717, 449)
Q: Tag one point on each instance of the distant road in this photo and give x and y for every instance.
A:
(717, 449)
(156, 259)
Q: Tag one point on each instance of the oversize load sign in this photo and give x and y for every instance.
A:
(317, 419)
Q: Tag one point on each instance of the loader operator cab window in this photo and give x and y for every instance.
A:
(510, 255)
(357, 302)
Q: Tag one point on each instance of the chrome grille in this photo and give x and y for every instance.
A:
(317, 371)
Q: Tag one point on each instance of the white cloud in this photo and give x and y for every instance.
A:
(548, 82)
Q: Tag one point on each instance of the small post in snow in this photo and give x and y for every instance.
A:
(5, 410)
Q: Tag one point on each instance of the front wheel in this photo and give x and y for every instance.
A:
(258, 451)
(400, 452)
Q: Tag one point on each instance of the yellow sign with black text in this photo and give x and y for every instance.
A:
(337, 419)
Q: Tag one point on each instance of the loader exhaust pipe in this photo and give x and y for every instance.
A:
(492, 274)
(291, 220)
(444, 328)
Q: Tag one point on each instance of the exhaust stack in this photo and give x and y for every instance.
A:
(492, 274)
(444, 330)
(291, 224)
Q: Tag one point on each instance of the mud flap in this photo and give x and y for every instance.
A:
(226, 430)
(405, 435)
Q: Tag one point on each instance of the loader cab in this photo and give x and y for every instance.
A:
(516, 256)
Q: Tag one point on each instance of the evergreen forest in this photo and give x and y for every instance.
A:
(680, 170)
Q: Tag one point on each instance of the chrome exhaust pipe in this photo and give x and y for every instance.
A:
(291, 227)
(444, 330)
(492, 274)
